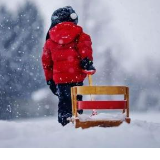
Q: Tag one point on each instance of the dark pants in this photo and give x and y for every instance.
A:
(64, 95)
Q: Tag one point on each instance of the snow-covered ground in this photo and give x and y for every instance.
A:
(46, 132)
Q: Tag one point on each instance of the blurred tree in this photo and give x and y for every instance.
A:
(20, 51)
(6, 23)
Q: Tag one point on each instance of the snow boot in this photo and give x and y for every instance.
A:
(63, 118)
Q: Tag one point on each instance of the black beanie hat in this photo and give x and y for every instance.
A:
(65, 14)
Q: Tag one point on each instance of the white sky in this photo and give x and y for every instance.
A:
(136, 21)
(45, 6)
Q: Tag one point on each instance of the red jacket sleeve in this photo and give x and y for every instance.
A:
(47, 63)
(84, 46)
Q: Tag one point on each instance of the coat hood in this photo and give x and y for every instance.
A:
(64, 33)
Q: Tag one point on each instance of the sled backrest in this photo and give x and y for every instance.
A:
(100, 90)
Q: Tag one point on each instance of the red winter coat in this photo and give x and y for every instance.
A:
(68, 44)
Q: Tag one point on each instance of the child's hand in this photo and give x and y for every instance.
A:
(52, 87)
(87, 66)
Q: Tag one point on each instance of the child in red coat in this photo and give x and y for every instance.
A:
(67, 58)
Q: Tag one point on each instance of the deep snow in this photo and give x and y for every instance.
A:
(102, 116)
(46, 132)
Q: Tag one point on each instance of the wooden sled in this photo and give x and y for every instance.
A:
(111, 105)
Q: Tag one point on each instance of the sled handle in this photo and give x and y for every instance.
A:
(94, 111)
(90, 80)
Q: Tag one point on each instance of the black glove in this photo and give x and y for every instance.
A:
(87, 66)
(52, 87)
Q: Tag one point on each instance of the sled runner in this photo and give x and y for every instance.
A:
(100, 105)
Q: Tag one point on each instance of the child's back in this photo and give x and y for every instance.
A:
(67, 46)
(66, 58)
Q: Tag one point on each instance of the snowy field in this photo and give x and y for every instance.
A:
(46, 132)
(138, 26)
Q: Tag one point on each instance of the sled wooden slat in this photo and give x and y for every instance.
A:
(100, 90)
(102, 104)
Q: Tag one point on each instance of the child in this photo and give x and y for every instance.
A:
(67, 59)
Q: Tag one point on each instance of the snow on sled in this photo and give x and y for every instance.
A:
(99, 120)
